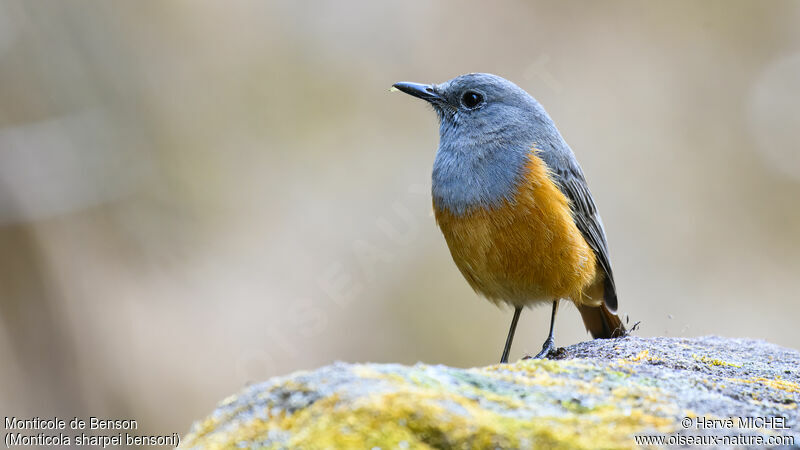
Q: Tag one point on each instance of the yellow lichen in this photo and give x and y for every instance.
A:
(777, 383)
(713, 361)
(419, 411)
(416, 416)
(643, 356)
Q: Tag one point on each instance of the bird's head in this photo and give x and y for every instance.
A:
(479, 107)
(488, 127)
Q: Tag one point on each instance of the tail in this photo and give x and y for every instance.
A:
(600, 321)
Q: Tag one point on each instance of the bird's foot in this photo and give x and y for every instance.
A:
(548, 350)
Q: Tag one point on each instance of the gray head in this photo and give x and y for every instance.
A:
(487, 129)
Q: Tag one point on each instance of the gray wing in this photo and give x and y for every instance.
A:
(569, 178)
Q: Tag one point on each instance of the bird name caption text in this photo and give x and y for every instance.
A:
(78, 432)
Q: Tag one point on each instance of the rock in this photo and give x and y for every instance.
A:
(718, 392)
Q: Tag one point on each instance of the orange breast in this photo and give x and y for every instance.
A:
(526, 251)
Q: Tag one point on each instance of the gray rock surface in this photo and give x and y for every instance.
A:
(712, 391)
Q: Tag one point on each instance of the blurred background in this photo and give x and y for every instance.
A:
(197, 195)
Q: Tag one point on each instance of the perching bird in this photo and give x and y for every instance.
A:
(513, 204)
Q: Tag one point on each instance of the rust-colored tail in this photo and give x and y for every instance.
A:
(600, 321)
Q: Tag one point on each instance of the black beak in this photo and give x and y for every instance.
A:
(423, 91)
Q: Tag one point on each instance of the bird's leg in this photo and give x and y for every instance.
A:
(510, 338)
(549, 344)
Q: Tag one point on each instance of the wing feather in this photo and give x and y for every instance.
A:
(572, 183)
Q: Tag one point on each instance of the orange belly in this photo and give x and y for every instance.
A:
(525, 251)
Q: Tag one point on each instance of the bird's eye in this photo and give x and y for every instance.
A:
(471, 99)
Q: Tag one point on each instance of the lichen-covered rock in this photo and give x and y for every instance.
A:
(598, 394)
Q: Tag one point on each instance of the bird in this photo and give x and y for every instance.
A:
(514, 206)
